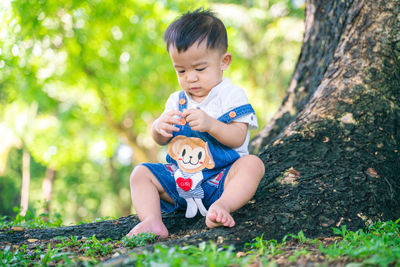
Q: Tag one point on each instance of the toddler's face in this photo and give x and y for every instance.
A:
(199, 69)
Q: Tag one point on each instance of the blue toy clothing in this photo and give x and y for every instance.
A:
(213, 179)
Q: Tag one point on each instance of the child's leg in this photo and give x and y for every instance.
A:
(240, 185)
(146, 192)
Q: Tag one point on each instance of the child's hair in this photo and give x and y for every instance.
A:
(198, 25)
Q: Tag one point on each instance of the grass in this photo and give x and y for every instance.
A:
(30, 220)
(69, 251)
(377, 245)
(205, 254)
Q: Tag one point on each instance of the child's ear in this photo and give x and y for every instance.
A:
(226, 61)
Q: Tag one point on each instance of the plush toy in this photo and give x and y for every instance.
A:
(192, 155)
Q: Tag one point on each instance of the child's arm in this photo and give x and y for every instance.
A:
(232, 134)
(163, 127)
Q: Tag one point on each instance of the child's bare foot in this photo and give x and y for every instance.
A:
(150, 225)
(218, 215)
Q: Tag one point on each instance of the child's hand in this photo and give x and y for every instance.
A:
(164, 125)
(198, 119)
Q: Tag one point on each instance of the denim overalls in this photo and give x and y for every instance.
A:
(213, 181)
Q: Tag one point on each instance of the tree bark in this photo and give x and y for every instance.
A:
(332, 151)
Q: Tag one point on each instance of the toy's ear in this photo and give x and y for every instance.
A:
(174, 144)
(209, 159)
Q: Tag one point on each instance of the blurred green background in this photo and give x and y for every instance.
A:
(82, 81)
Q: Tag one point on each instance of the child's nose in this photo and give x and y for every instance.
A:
(191, 76)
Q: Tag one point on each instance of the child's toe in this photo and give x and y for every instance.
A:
(224, 220)
(212, 215)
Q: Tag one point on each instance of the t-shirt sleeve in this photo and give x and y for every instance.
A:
(172, 102)
(250, 119)
(238, 98)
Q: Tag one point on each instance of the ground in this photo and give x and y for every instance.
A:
(377, 244)
(294, 253)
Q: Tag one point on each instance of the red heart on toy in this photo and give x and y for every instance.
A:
(183, 183)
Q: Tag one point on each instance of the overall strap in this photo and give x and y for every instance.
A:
(182, 101)
(184, 129)
(236, 113)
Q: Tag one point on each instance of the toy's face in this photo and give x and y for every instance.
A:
(191, 153)
(191, 158)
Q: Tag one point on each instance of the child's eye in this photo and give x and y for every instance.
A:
(201, 69)
(180, 71)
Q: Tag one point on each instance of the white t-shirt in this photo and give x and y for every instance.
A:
(221, 99)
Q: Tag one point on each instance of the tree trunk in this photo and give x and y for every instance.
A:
(26, 178)
(332, 151)
(47, 189)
